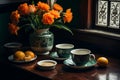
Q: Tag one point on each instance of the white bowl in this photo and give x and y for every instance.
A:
(46, 64)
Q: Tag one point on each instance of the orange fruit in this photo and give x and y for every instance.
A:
(27, 58)
(29, 53)
(102, 61)
(19, 55)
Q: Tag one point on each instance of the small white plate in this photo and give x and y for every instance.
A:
(11, 58)
(46, 64)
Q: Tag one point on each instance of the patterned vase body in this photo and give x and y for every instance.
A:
(41, 41)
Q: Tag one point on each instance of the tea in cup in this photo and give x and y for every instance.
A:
(63, 49)
(81, 56)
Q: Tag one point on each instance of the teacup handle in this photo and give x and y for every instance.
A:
(92, 55)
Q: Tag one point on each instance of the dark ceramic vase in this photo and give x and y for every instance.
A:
(41, 41)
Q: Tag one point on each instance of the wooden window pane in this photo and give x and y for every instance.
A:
(102, 13)
(114, 15)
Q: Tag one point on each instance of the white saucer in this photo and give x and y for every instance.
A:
(11, 58)
(54, 55)
(69, 63)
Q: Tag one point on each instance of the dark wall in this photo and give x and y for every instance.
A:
(5, 36)
(98, 43)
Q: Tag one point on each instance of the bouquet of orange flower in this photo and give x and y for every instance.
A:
(39, 16)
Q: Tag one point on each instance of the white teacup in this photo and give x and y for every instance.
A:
(81, 56)
(63, 49)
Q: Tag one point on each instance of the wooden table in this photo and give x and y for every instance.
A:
(111, 72)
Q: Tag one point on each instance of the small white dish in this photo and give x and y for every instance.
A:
(46, 64)
(11, 58)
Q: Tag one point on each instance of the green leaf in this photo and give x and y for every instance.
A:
(28, 25)
(61, 26)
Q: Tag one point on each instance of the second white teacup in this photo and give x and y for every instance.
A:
(81, 56)
(63, 49)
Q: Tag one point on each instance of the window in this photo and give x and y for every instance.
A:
(108, 15)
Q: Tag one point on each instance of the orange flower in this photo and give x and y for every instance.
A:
(43, 6)
(57, 7)
(13, 28)
(32, 8)
(23, 9)
(68, 16)
(15, 17)
(48, 19)
(55, 13)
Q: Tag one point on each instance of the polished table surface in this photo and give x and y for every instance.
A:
(61, 72)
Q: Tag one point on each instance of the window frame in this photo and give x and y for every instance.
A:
(99, 27)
